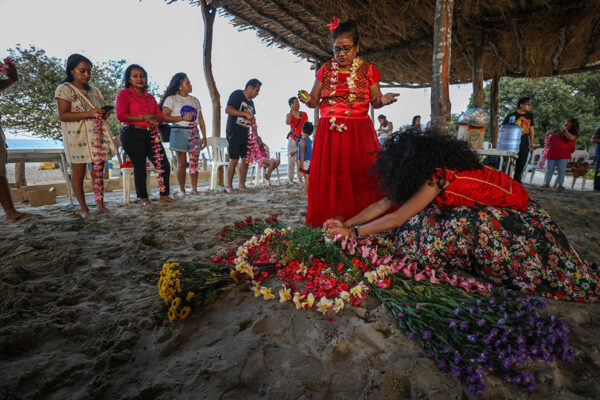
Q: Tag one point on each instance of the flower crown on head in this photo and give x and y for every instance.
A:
(335, 22)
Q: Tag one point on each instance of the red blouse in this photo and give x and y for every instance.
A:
(335, 95)
(128, 102)
(481, 187)
(298, 126)
(560, 148)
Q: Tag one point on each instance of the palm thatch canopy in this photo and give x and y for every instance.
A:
(528, 38)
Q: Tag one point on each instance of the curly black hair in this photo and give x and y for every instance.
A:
(72, 62)
(127, 74)
(410, 158)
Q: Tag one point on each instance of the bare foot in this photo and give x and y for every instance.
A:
(242, 188)
(166, 199)
(85, 214)
(102, 208)
(195, 193)
(229, 189)
(268, 182)
(17, 216)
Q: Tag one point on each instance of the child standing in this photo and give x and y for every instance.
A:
(305, 150)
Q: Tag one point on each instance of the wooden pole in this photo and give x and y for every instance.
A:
(494, 112)
(317, 111)
(478, 94)
(20, 174)
(442, 41)
(208, 15)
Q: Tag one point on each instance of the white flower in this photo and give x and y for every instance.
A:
(339, 305)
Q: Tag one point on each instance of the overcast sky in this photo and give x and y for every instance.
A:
(166, 39)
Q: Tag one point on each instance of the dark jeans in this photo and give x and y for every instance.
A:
(137, 144)
(522, 158)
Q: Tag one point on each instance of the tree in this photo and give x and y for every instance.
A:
(29, 105)
(555, 100)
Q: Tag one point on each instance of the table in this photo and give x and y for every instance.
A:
(40, 155)
(506, 157)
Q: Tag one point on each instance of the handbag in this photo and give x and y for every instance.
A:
(291, 132)
(165, 132)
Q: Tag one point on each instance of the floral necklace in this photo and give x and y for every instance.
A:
(334, 81)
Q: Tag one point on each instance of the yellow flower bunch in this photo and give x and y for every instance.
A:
(169, 284)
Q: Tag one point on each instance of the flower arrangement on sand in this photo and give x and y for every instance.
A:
(468, 328)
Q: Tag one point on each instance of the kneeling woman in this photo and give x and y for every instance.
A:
(453, 212)
(140, 115)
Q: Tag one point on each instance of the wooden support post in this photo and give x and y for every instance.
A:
(442, 41)
(208, 16)
(209, 12)
(20, 174)
(494, 112)
(316, 112)
(478, 94)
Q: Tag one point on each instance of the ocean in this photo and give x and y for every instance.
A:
(33, 143)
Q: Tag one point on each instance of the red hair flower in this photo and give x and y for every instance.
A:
(334, 24)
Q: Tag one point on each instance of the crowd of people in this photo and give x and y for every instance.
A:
(445, 209)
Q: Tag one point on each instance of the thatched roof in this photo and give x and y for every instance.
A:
(522, 37)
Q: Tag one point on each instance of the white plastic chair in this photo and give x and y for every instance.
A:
(534, 163)
(579, 156)
(216, 148)
(260, 172)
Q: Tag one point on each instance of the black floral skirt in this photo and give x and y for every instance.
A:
(525, 250)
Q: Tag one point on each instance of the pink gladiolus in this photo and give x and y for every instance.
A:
(433, 279)
(419, 276)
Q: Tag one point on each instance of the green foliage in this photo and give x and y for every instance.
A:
(555, 100)
(29, 106)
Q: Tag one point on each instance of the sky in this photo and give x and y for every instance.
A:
(166, 39)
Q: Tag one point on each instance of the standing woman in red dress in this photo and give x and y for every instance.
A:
(345, 145)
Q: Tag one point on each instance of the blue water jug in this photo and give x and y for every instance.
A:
(509, 137)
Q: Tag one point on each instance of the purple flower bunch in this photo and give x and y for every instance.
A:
(472, 335)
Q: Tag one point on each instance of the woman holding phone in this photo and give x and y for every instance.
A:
(140, 115)
(78, 104)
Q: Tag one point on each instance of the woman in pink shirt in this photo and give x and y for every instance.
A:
(562, 145)
(140, 114)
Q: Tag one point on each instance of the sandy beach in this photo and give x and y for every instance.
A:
(80, 316)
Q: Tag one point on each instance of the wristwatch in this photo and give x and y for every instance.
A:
(355, 231)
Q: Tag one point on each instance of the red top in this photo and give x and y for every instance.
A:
(560, 148)
(298, 126)
(481, 187)
(335, 100)
(128, 103)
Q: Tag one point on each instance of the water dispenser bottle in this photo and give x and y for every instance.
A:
(509, 137)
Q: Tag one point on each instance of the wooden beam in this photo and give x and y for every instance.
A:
(378, 20)
(508, 65)
(208, 16)
(478, 93)
(274, 36)
(281, 25)
(400, 47)
(442, 42)
(562, 39)
(494, 104)
(515, 29)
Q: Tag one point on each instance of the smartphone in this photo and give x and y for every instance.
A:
(107, 108)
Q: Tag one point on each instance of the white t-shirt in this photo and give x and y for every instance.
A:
(180, 105)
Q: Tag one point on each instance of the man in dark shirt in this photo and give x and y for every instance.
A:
(240, 110)
(523, 118)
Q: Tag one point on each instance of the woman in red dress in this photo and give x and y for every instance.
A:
(345, 144)
(455, 213)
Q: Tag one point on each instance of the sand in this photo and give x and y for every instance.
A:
(80, 315)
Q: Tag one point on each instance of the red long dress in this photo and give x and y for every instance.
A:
(340, 184)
